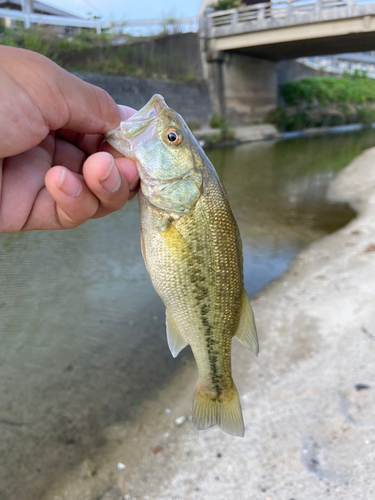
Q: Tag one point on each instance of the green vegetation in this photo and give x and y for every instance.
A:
(328, 89)
(224, 135)
(325, 102)
(86, 51)
(47, 42)
(193, 125)
(217, 121)
(366, 116)
(226, 4)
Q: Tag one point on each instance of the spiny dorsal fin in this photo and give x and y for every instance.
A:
(176, 341)
(247, 331)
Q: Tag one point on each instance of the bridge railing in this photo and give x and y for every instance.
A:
(29, 18)
(270, 15)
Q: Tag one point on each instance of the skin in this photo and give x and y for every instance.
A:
(55, 170)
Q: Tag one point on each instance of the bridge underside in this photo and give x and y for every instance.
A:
(243, 66)
(322, 38)
(354, 42)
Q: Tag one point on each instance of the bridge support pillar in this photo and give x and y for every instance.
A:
(243, 88)
(215, 62)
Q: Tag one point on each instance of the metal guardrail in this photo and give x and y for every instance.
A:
(32, 17)
(98, 24)
(276, 14)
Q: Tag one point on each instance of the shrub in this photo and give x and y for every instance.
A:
(193, 125)
(366, 116)
(226, 4)
(357, 89)
(217, 121)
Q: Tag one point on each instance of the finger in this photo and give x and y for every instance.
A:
(75, 203)
(68, 155)
(104, 146)
(129, 170)
(123, 165)
(90, 143)
(51, 99)
(127, 110)
(21, 180)
(88, 109)
(110, 181)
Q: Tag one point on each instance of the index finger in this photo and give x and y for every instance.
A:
(90, 143)
(38, 96)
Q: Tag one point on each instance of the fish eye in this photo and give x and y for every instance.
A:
(173, 136)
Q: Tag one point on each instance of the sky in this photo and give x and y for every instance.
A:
(129, 9)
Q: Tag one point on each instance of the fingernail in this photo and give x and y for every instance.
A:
(134, 183)
(130, 173)
(122, 112)
(126, 112)
(111, 180)
(69, 184)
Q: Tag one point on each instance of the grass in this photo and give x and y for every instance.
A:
(325, 102)
(86, 51)
(356, 89)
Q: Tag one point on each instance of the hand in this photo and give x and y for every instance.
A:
(55, 170)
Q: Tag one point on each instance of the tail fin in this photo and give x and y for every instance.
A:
(224, 410)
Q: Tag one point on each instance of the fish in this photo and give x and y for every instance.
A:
(192, 249)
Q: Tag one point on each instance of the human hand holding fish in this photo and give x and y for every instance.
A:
(192, 249)
(55, 171)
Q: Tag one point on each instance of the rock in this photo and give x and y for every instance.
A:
(87, 469)
(361, 387)
(113, 493)
(180, 420)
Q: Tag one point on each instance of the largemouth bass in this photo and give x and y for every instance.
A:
(192, 250)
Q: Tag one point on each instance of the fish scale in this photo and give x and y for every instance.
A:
(192, 249)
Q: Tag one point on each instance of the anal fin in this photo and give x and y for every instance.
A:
(176, 341)
(247, 331)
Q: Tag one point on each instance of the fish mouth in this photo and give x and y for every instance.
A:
(121, 137)
(152, 109)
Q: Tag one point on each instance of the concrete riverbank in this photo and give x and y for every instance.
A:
(267, 131)
(308, 400)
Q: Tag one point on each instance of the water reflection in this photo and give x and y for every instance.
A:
(82, 332)
(278, 194)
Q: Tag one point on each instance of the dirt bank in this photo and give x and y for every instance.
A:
(308, 400)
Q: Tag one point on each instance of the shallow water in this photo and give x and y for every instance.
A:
(82, 332)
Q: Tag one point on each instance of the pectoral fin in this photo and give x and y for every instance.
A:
(143, 250)
(247, 331)
(176, 341)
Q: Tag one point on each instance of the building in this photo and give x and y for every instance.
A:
(364, 62)
(31, 6)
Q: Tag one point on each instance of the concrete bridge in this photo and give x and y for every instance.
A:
(243, 46)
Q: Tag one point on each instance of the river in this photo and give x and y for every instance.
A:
(82, 331)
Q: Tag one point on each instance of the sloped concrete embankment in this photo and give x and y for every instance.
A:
(308, 400)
